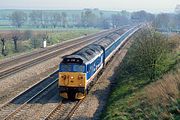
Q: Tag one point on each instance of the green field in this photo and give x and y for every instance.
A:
(35, 42)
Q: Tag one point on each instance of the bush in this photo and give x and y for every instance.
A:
(150, 54)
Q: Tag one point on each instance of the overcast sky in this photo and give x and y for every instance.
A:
(154, 6)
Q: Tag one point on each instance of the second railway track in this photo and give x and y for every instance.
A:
(25, 57)
(43, 56)
(13, 109)
(10, 108)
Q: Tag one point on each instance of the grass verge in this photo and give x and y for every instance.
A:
(136, 97)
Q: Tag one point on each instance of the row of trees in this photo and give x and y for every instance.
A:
(90, 18)
(167, 21)
(38, 19)
(16, 37)
(87, 18)
(41, 19)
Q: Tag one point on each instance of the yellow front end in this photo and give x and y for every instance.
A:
(72, 84)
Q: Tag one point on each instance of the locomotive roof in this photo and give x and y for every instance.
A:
(87, 53)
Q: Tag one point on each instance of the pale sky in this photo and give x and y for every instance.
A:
(154, 6)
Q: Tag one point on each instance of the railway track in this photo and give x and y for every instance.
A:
(64, 110)
(61, 112)
(43, 55)
(70, 114)
(12, 107)
(35, 53)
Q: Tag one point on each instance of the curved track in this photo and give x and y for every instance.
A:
(64, 110)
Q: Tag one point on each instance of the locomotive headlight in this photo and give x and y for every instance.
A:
(72, 77)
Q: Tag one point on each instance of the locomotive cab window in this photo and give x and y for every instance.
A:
(78, 68)
(65, 67)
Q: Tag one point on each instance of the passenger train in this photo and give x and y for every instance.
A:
(78, 70)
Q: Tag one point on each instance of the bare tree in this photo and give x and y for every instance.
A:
(18, 18)
(3, 37)
(55, 19)
(103, 22)
(162, 21)
(46, 19)
(40, 18)
(76, 19)
(177, 21)
(141, 16)
(64, 19)
(16, 35)
(89, 19)
(35, 17)
(119, 20)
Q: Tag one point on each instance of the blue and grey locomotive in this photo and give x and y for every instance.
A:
(78, 70)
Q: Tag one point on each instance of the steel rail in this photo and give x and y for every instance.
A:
(45, 57)
(46, 82)
(36, 53)
(29, 100)
(50, 115)
(70, 114)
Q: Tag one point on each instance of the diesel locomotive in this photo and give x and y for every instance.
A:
(78, 70)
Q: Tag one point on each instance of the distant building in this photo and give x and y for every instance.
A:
(177, 9)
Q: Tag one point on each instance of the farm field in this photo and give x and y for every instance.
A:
(36, 37)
